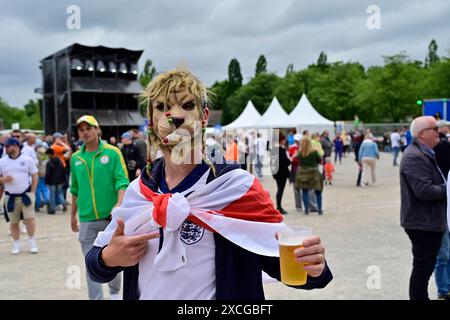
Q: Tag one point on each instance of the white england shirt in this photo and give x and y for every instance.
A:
(20, 169)
(197, 279)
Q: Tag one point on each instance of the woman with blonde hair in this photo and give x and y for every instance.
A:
(308, 175)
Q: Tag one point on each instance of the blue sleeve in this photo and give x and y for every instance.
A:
(271, 266)
(96, 270)
(318, 282)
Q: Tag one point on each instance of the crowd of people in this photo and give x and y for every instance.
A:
(35, 173)
(304, 160)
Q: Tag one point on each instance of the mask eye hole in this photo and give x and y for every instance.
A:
(188, 106)
(160, 107)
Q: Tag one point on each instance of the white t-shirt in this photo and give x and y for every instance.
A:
(21, 169)
(260, 146)
(395, 140)
(196, 280)
(29, 152)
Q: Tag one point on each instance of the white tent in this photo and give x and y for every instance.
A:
(305, 117)
(274, 117)
(246, 119)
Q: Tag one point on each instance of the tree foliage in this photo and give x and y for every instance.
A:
(261, 65)
(432, 53)
(339, 90)
(234, 74)
(144, 79)
(259, 90)
(28, 117)
(322, 60)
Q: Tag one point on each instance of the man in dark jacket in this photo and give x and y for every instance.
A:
(423, 205)
(132, 156)
(55, 177)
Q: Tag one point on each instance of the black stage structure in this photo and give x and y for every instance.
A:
(99, 81)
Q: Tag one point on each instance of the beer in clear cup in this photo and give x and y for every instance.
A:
(289, 239)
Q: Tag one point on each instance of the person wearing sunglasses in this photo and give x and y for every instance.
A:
(423, 203)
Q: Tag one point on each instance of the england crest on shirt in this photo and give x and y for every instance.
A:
(191, 233)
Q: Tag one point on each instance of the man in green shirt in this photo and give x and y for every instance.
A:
(99, 180)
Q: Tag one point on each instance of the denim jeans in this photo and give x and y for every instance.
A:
(42, 193)
(396, 151)
(297, 197)
(56, 197)
(259, 165)
(338, 154)
(312, 201)
(306, 199)
(442, 269)
(88, 233)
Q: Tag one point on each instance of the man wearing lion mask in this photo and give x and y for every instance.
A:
(189, 228)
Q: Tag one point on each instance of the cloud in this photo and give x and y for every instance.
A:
(208, 34)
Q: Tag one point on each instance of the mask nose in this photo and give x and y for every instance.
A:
(178, 122)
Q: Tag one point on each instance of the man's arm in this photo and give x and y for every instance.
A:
(34, 182)
(419, 176)
(62, 144)
(73, 214)
(121, 175)
(96, 268)
(74, 192)
(6, 179)
(123, 251)
(120, 195)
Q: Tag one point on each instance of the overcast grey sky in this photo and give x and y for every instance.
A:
(206, 35)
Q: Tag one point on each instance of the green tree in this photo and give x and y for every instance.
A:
(289, 69)
(234, 74)
(290, 88)
(221, 91)
(147, 74)
(261, 65)
(389, 93)
(31, 117)
(435, 80)
(322, 60)
(260, 90)
(333, 92)
(144, 79)
(432, 56)
(28, 117)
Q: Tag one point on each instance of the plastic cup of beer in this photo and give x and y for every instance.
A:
(289, 239)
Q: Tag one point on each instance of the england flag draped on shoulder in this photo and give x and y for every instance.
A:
(235, 205)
